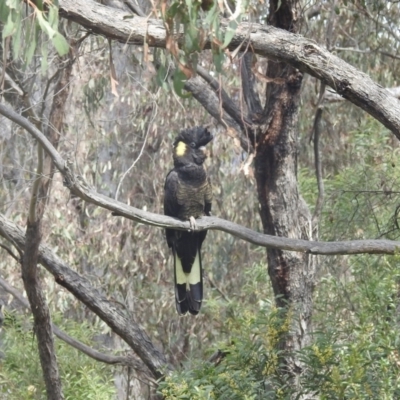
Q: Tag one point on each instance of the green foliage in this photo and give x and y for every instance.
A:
(199, 20)
(26, 30)
(355, 349)
(21, 374)
(361, 197)
(248, 369)
(355, 354)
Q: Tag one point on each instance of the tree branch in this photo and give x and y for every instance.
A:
(81, 288)
(274, 43)
(317, 160)
(81, 189)
(10, 252)
(332, 97)
(227, 104)
(89, 351)
(40, 310)
(211, 102)
(134, 8)
(251, 96)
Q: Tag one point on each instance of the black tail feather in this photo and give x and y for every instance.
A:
(188, 286)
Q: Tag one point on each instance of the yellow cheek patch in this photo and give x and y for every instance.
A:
(180, 149)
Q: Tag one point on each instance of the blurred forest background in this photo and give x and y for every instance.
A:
(121, 116)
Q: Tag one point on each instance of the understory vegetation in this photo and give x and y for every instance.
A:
(355, 347)
(356, 341)
(121, 116)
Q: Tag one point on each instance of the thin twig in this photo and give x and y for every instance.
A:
(317, 160)
(153, 115)
(10, 252)
(89, 351)
(219, 290)
(81, 189)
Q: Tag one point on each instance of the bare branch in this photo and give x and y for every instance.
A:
(134, 8)
(10, 252)
(317, 161)
(97, 355)
(36, 133)
(313, 11)
(274, 43)
(40, 310)
(10, 83)
(332, 97)
(82, 190)
(211, 102)
(227, 104)
(250, 93)
(81, 288)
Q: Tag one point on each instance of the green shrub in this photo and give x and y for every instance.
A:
(21, 373)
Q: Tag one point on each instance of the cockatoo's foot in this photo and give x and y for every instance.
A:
(193, 225)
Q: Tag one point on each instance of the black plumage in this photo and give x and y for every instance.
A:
(188, 195)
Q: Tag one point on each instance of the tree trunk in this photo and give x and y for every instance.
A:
(283, 211)
(41, 315)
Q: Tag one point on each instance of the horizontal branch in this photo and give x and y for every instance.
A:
(274, 43)
(89, 351)
(80, 189)
(333, 97)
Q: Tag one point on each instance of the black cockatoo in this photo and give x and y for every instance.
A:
(188, 195)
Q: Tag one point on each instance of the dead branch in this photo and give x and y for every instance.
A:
(112, 314)
(89, 351)
(317, 159)
(274, 43)
(79, 188)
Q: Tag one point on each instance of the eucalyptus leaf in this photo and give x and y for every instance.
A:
(173, 10)
(189, 4)
(193, 33)
(218, 60)
(53, 17)
(160, 77)
(179, 83)
(15, 4)
(39, 4)
(230, 33)
(17, 44)
(9, 27)
(4, 12)
(60, 43)
(212, 15)
(33, 36)
(44, 25)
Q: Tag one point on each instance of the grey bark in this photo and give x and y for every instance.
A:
(80, 189)
(40, 311)
(283, 211)
(89, 351)
(113, 315)
(268, 41)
